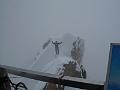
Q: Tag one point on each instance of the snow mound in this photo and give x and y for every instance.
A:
(55, 67)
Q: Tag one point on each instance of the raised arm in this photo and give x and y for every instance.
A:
(60, 43)
(53, 42)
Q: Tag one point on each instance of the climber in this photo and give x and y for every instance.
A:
(56, 43)
(83, 71)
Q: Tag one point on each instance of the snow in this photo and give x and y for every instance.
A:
(53, 68)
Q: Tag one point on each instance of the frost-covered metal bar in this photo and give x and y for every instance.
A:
(46, 77)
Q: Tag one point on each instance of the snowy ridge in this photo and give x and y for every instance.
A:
(38, 56)
(55, 67)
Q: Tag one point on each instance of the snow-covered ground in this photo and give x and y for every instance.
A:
(55, 67)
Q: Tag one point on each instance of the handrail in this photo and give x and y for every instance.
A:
(46, 77)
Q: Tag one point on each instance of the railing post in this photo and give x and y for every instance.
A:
(4, 81)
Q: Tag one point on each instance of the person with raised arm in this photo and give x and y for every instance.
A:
(56, 44)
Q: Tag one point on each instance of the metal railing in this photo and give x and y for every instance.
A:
(46, 77)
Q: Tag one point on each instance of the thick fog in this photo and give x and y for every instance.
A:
(26, 24)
